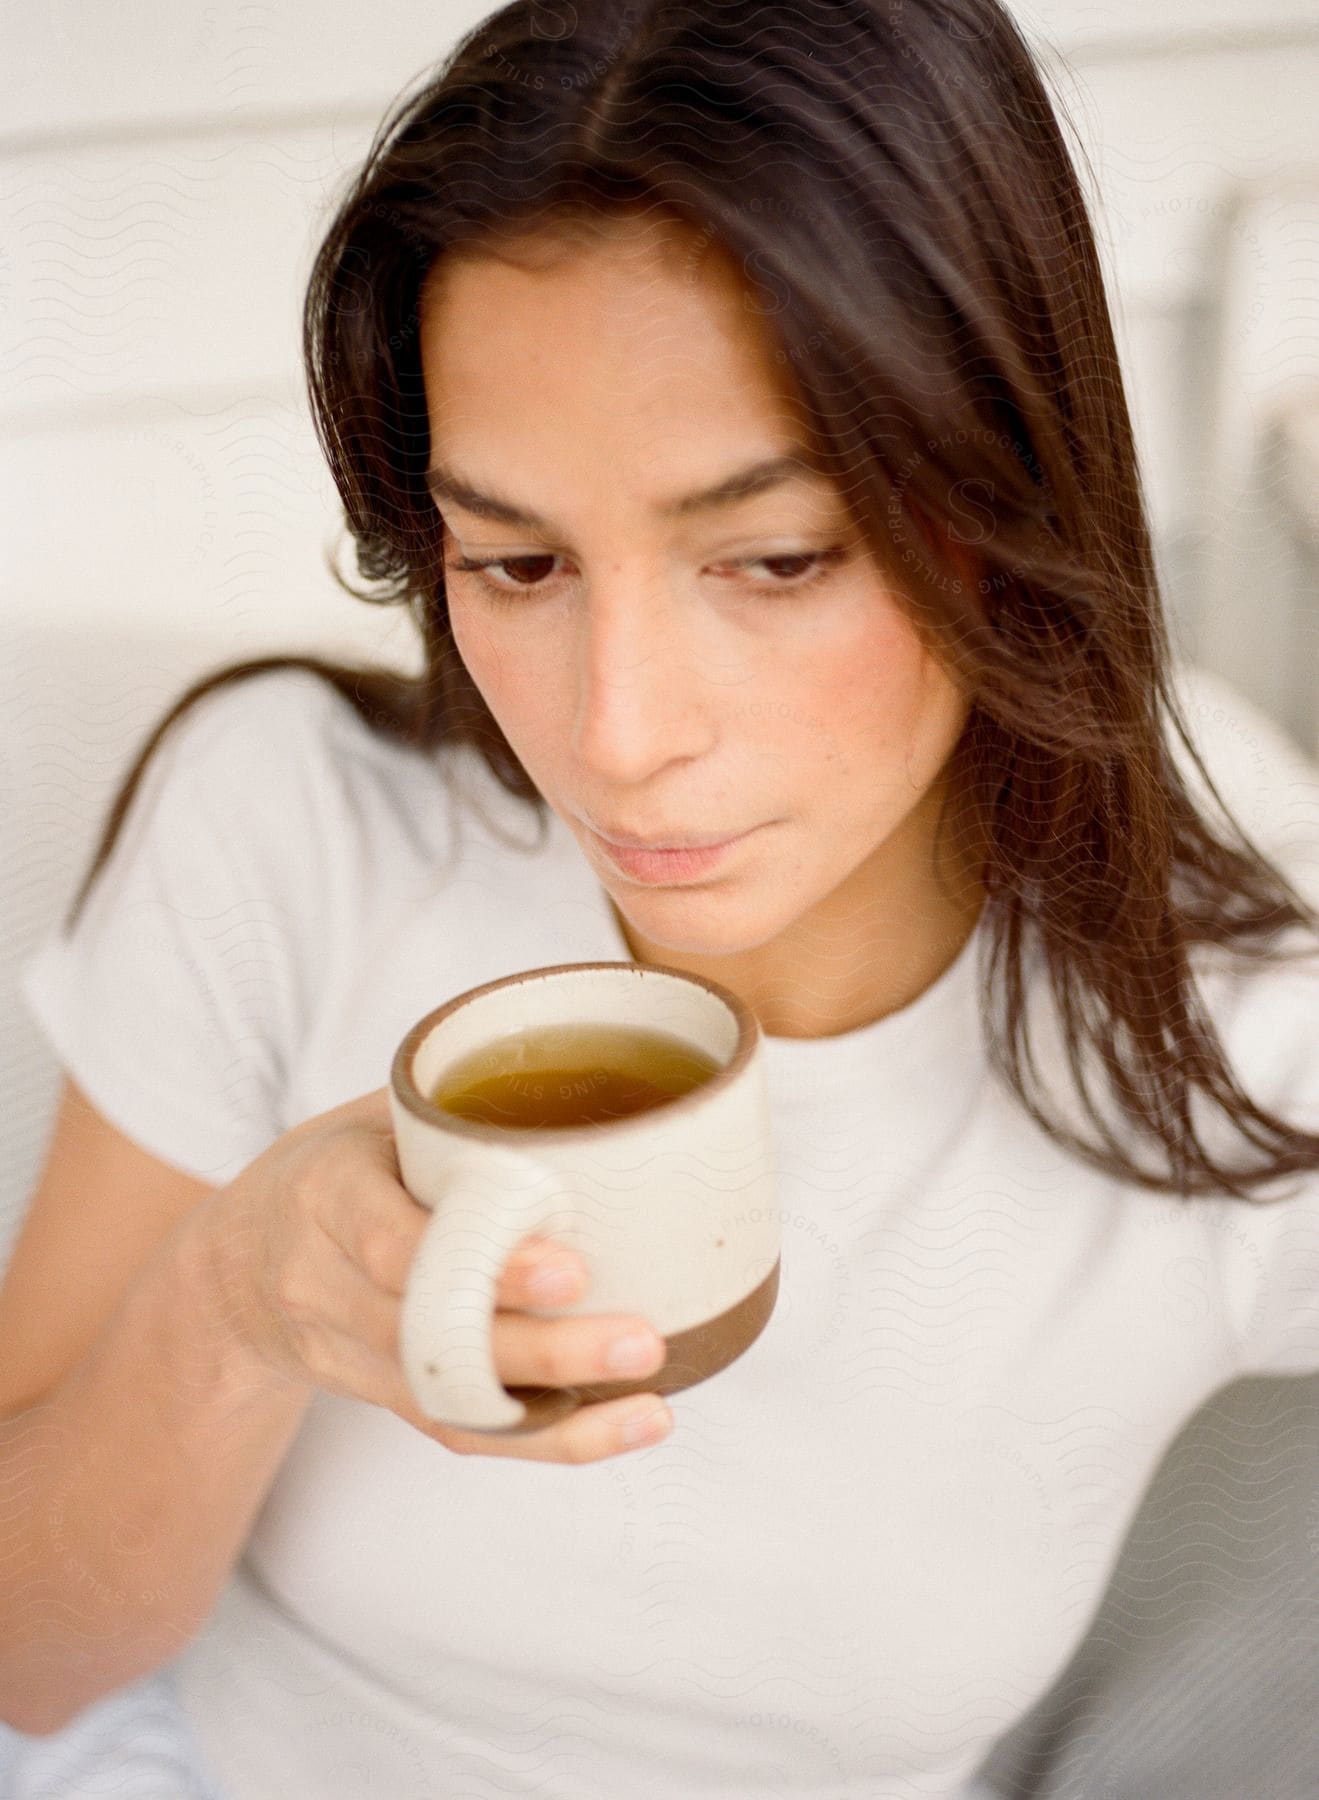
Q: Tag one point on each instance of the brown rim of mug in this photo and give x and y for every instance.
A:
(400, 1074)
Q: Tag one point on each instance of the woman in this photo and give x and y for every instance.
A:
(730, 395)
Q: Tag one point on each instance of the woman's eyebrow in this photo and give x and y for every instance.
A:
(756, 478)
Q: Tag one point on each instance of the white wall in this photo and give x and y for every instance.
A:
(1198, 121)
(166, 168)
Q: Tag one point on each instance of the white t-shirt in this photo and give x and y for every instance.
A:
(868, 1545)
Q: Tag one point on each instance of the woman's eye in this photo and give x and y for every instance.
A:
(796, 569)
(469, 566)
(803, 566)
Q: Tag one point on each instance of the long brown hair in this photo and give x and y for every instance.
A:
(894, 185)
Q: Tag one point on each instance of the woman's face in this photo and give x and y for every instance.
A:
(664, 666)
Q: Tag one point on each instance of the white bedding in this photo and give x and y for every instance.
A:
(134, 1745)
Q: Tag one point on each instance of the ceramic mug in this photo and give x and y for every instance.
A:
(673, 1207)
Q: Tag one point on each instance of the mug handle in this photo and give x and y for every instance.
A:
(448, 1308)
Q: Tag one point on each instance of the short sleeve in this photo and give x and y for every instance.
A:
(1282, 1336)
(1272, 1241)
(176, 1001)
(1285, 1340)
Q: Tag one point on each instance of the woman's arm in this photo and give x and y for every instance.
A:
(128, 1492)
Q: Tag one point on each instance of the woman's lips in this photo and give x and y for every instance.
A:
(662, 866)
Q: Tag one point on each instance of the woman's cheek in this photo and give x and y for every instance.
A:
(480, 644)
(510, 674)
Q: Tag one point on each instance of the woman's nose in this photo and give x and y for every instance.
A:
(641, 698)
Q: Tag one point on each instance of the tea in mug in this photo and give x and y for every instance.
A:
(571, 1074)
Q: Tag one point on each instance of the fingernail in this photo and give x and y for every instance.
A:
(647, 1427)
(630, 1355)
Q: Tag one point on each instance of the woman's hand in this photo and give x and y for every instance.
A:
(309, 1250)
